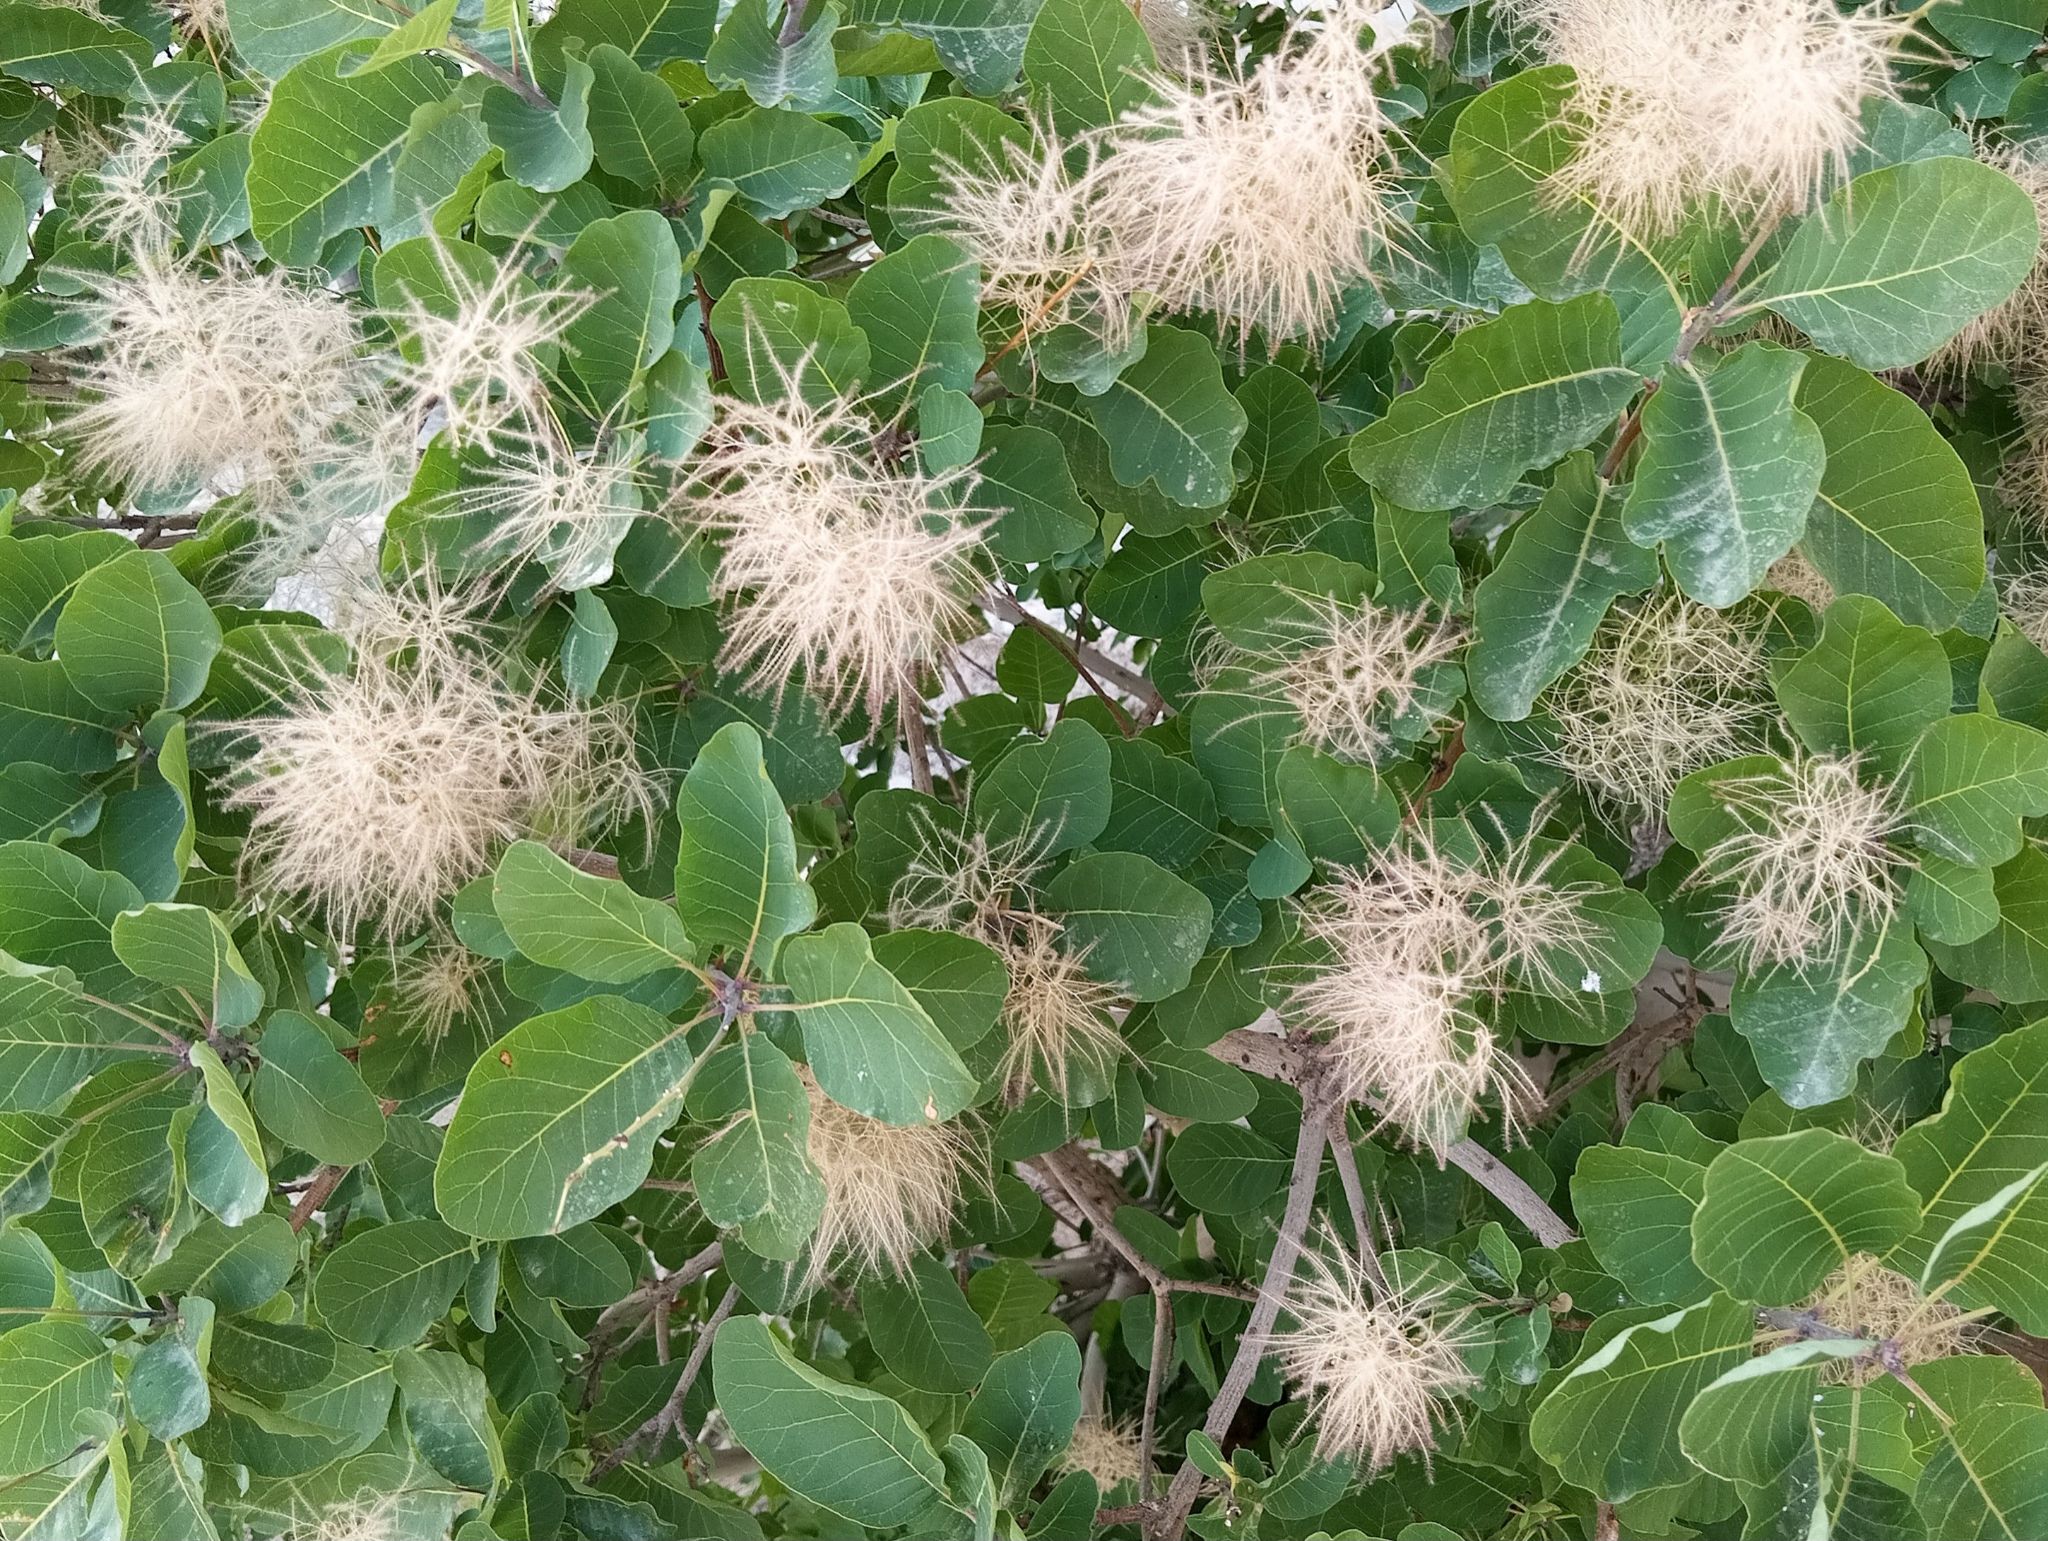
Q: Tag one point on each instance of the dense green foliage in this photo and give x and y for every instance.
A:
(1508, 823)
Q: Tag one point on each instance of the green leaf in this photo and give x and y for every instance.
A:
(1535, 613)
(1728, 472)
(1026, 480)
(2011, 959)
(136, 636)
(1950, 902)
(1084, 61)
(1810, 1028)
(424, 29)
(1169, 420)
(558, 1119)
(29, 1143)
(1050, 796)
(385, 1286)
(1987, 1479)
(737, 883)
(1226, 1169)
(595, 928)
(981, 41)
(924, 1329)
(1970, 782)
(749, 52)
(779, 337)
(871, 1045)
(1901, 259)
(1636, 1208)
(57, 911)
(1335, 812)
(1897, 516)
(546, 148)
(311, 1097)
(1610, 1425)
(1508, 394)
(1160, 805)
(320, 160)
(1869, 687)
(637, 127)
(1025, 1412)
(631, 265)
(755, 1171)
(1134, 923)
(1779, 1215)
(51, 1373)
(224, 1142)
(847, 1449)
(273, 35)
(960, 982)
(919, 306)
(780, 161)
(60, 46)
(45, 719)
(188, 947)
(1992, 1130)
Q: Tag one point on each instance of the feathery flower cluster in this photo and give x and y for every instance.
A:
(889, 1190)
(1258, 198)
(1056, 1018)
(1178, 28)
(1811, 866)
(1106, 1449)
(1667, 687)
(216, 381)
(381, 787)
(1886, 1307)
(2015, 331)
(2023, 597)
(858, 574)
(541, 499)
(1794, 575)
(1379, 1370)
(482, 350)
(438, 985)
(1754, 104)
(1414, 947)
(1350, 671)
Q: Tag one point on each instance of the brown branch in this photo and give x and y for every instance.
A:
(916, 747)
(1168, 1523)
(1354, 1197)
(317, 1193)
(1299, 1064)
(670, 1415)
(1090, 661)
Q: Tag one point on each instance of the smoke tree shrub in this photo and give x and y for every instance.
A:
(1028, 768)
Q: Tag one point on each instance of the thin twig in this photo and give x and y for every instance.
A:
(1155, 1382)
(317, 1193)
(910, 714)
(1172, 1517)
(1089, 661)
(1354, 1197)
(670, 1415)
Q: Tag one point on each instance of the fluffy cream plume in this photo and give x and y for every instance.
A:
(1026, 219)
(1795, 575)
(1414, 948)
(1875, 1302)
(438, 985)
(366, 1517)
(1106, 1449)
(1179, 28)
(1379, 1369)
(1055, 1015)
(1812, 863)
(541, 499)
(2015, 331)
(1350, 671)
(127, 204)
(206, 19)
(215, 380)
(482, 351)
(1752, 104)
(889, 1190)
(2023, 598)
(2023, 475)
(855, 572)
(1258, 198)
(1667, 687)
(381, 787)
